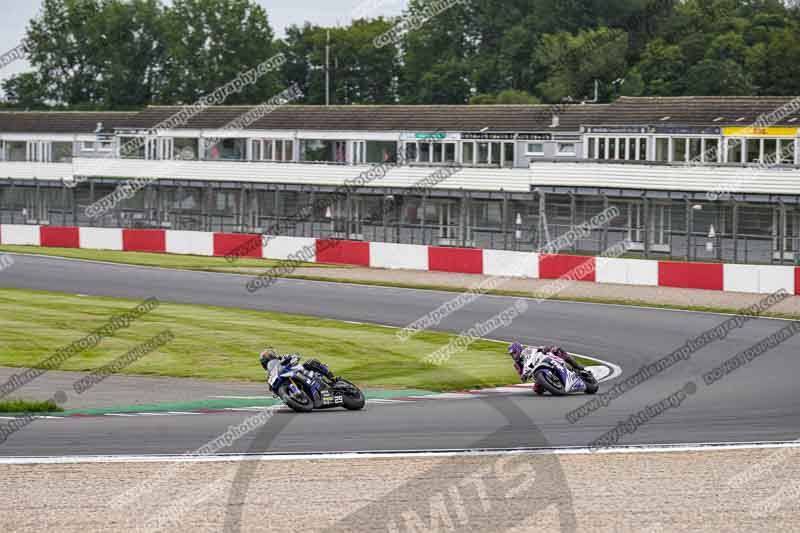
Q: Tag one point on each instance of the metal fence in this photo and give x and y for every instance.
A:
(724, 230)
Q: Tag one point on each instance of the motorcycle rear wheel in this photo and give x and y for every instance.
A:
(554, 387)
(303, 405)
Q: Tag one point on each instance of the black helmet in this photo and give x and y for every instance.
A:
(266, 356)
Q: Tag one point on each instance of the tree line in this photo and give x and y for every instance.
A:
(125, 54)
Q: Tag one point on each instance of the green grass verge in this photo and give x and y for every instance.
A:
(222, 344)
(185, 262)
(25, 406)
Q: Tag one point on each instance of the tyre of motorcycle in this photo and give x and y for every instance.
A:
(556, 389)
(352, 397)
(305, 405)
(591, 384)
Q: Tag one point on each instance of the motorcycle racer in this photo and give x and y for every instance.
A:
(520, 355)
(271, 354)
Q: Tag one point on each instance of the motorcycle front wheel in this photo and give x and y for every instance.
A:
(352, 397)
(300, 403)
(550, 382)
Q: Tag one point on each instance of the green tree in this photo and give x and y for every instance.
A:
(209, 43)
(507, 97)
(774, 64)
(713, 77)
(24, 91)
(100, 53)
(360, 71)
(662, 68)
(727, 47)
(574, 62)
(437, 57)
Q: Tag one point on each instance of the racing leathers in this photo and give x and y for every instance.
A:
(312, 364)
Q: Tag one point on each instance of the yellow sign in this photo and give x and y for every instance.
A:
(759, 132)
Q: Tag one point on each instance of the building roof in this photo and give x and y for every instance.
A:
(508, 118)
(62, 121)
(719, 111)
(706, 111)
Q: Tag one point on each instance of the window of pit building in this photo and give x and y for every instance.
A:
(687, 149)
(468, 153)
(537, 149)
(132, 147)
(767, 150)
(15, 151)
(621, 148)
(185, 148)
(230, 149)
(733, 150)
(430, 152)
(62, 152)
(272, 150)
(753, 150)
(483, 153)
(711, 152)
(381, 152)
(486, 153)
(567, 149)
(323, 151)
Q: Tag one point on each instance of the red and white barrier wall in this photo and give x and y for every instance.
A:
(709, 276)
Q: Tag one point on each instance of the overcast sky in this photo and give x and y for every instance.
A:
(15, 14)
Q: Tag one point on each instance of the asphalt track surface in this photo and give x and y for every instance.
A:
(757, 403)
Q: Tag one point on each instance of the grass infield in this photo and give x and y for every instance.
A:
(185, 262)
(222, 343)
(25, 406)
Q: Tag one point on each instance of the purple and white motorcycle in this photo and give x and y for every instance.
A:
(553, 375)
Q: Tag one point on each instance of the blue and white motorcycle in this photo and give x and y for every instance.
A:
(311, 385)
(553, 375)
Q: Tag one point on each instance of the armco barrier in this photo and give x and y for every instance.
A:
(513, 264)
(20, 235)
(626, 271)
(573, 267)
(282, 248)
(406, 256)
(773, 278)
(144, 240)
(797, 280)
(708, 276)
(58, 237)
(763, 279)
(237, 245)
(461, 260)
(190, 242)
(343, 252)
(741, 278)
(100, 238)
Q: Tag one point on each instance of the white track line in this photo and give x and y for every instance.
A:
(664, 448)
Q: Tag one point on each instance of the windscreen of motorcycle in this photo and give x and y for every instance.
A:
(273, 367)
